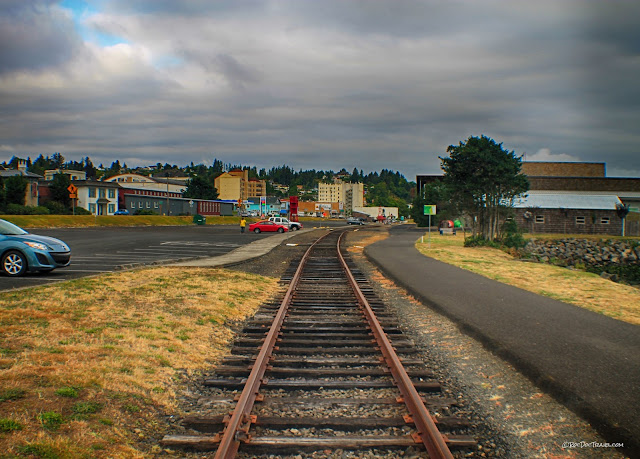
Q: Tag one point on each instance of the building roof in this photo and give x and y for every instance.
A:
(12, 172)
(568, 201)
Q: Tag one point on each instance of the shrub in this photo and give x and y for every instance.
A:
(479, 241)
(82, 211)
(512, 235)
(57, 208)
(17, 209)
(144, 212)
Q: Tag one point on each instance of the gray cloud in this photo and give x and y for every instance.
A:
(34, 35)
(326, 85)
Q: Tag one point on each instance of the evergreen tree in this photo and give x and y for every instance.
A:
(16, 189)
(484, 180)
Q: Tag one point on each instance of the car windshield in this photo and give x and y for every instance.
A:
(9, 229)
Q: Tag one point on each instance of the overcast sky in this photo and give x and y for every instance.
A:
(320, 84)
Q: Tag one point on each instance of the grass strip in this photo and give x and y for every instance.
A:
(92, 367)
(575, 287)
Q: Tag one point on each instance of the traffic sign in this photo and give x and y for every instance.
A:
(72, 188)
(430, 209)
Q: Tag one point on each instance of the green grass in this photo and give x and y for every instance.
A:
(12, 394)
(50, 420)
(70, 392)
(9, 425)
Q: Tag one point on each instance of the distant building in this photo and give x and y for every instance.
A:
(236, 185)
(31, 194)
(73, 175)
(161, 189)
(568, 213)
(374, 212)
(347, 195)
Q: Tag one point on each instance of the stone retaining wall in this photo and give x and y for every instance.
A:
(570, 252)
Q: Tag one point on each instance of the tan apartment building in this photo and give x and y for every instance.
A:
(350, 195)
(236, 184)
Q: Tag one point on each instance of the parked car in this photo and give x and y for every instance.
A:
(266, 225)
(354, 221)
(22, 251)
(293, 226)
(121, 212)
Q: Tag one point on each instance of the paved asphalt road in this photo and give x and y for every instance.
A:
(589, 361)
(100, 249)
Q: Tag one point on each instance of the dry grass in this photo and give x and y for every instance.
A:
(582, 289)
(89, 367)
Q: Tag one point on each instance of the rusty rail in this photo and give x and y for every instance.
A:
(237, 429)
(427, 431)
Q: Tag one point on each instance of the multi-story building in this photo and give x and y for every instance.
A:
(236, 185)
(347, 195)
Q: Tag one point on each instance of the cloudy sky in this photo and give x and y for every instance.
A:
(321, 84)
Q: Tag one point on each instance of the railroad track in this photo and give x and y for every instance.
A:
(322, 369)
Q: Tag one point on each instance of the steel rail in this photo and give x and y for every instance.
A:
(428, 433)
(238, 426)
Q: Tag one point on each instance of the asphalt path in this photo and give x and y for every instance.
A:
(97, 250)
(587, 360)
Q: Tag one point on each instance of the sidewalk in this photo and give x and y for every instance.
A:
(588, 361)
(246, 252)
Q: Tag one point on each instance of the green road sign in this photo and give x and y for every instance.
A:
(429, 209)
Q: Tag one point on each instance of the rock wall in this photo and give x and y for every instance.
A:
(572, 252)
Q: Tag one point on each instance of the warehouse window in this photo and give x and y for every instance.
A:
(539, 219)
(604, 220)
(580, 220)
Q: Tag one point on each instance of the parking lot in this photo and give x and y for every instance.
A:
(99, 250)
(102, 250)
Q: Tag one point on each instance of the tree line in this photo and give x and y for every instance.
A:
(384, 188)
(481, 180)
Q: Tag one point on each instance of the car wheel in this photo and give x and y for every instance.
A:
(280, 230)
(257, 230)
(14, 263)
(294, 228)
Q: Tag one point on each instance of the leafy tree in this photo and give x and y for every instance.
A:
(3, 195)
(436, 193)
(293, 189)
(16, 189)
(89, 169)
(200, 188)
(57, 161)
(58, 189)
(484, 180)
